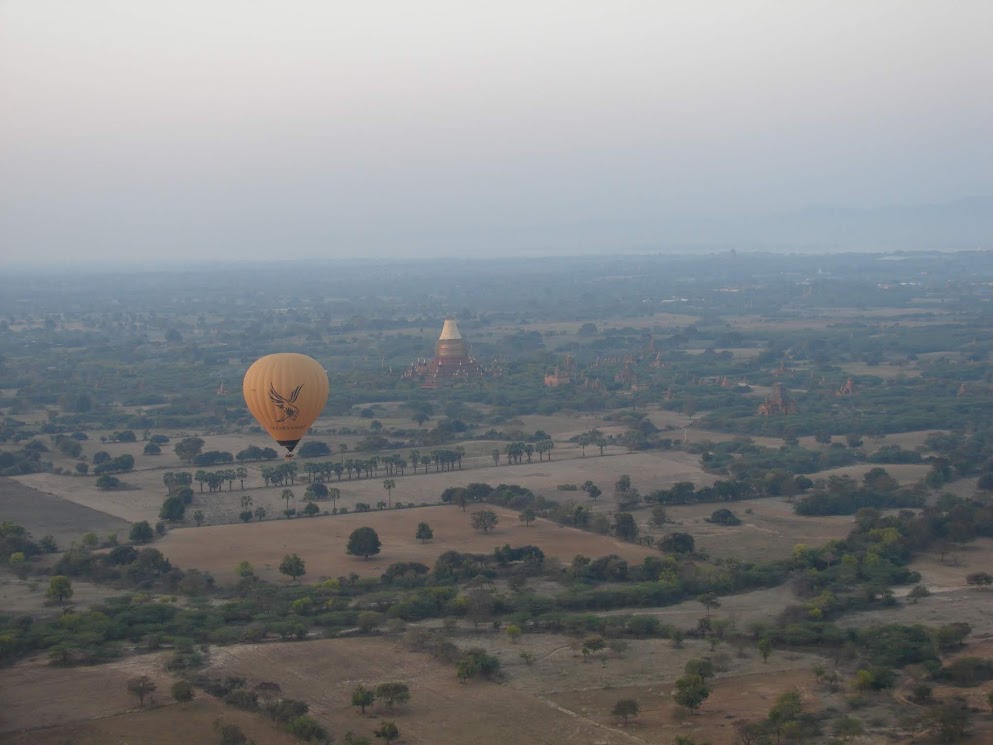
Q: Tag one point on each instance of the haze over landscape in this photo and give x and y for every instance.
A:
(193, 130)
(519, 373)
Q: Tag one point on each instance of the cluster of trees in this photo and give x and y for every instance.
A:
(516, 452)
(265, 698)
(842, 495)
(103, 463)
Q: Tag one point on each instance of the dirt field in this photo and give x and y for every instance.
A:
(91, 706)
(321, 541)
(648, 471)
(769, 532)
(47, 514)
(28, 596)
(558, 699)
(951, 599)
(441, 710)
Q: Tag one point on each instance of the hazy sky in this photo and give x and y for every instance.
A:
(133, 129)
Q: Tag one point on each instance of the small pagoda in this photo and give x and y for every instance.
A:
(778, 403)
(451, 362)
(562, 374)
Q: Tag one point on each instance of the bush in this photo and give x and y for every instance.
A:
(723, 517)
(967, 671)
(477, 662)
(308, 729)
(182, 691)
(243, 699)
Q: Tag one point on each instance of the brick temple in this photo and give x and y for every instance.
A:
(451, 361)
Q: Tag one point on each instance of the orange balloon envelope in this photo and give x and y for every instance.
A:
(286, 393)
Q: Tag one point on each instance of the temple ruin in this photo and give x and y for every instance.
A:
(777, 402)
(451, 361)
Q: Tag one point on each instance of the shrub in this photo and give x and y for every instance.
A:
(243, 699)
(182, 691)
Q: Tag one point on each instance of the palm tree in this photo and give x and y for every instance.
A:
(389, 485)
(334, 495)
(242, 473)
(415, 459)
(246, 502)
(287, 495)
(260, 513)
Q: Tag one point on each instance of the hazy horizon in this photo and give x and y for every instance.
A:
(217, 131)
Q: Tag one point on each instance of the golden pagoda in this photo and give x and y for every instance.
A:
(451, 360)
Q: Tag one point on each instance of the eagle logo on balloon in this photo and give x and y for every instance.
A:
(285, 405)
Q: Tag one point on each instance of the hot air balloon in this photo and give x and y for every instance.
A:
(286, 393)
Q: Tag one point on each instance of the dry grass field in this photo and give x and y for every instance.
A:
(28, 596)
(951, 599)
(43, 513)
(441, 710)
(769, 531)
(321, 542)
(91, 706)
(143, 496)
(558, 699)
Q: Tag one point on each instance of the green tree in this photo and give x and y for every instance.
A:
(592, 645)
(702, 667)
(172, 509)
(188, 448)
(677, 543)
(287, 496)
(626, 708)
(260, 513)
(513, 633)
(363, 542)
(691, 692)
(106, 481)
(709, 601)
(623, 484)
(199, 517)
(244, 569)
(292, 566)
(141, 686)
(393, 693)
(527, 516)
(387, 731)
(141, 532)
(765, 648)
(362, 697)
(484, 521)
(59, 589)
(625, 526)
(424, 532)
